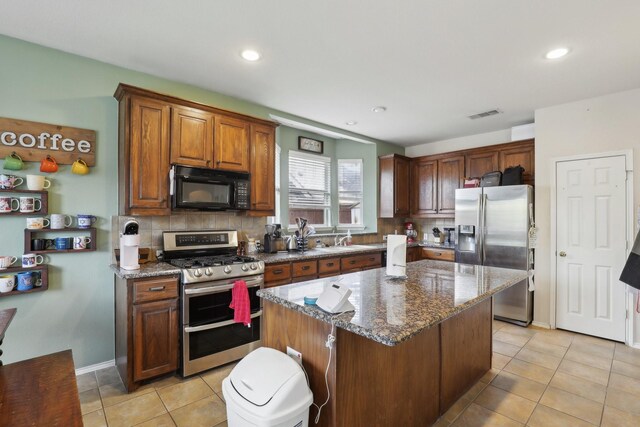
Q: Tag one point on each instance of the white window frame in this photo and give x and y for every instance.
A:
(278, 211)
(359, 226)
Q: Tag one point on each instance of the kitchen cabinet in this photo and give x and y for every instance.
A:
(191, 137)
(304, 270)
(147, 328)
(231, 144)
(450, 178)
(353, 263)
(277, 274)
(328, 267)
(523, 154)
(394, 186)
(144, 156)
(479, 163)
(414, 254)
(424, 186)
(438, 254)
(263, 161)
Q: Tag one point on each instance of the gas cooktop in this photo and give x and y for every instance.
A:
(211, 261)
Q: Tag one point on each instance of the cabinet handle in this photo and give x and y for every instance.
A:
(306, 267)
(438, 253)
(353, 261)
(372, 259)
(156, 289)
(329, 264)
(277, 271)
(218, 162)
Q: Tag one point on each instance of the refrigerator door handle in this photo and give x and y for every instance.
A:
(479, 232)
(483, 230)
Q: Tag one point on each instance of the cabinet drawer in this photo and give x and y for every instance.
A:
(440, 254)
(155, 289)
(305, 268)
(358, 262)
(328, 267)
(277, 274)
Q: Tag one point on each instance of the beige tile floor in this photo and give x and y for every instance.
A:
(539, 378)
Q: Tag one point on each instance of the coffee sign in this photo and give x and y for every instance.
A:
(34, 141)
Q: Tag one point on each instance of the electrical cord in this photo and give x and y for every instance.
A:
(331, 338)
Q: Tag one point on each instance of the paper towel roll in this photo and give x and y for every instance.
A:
(397, 255)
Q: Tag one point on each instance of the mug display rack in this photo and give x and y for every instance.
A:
(44, 200)
(44, 277)
(31, 233)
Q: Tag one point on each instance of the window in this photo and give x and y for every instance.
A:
(350, 192)
(276, 219)
(309, 188)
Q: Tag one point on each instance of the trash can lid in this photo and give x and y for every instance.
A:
(260, 375)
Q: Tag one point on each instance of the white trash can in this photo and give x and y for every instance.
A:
(268, 389)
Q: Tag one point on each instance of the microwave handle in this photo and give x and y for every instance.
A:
(172, 174)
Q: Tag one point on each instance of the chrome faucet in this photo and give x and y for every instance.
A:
(340, 241)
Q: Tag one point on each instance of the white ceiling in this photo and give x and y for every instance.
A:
(431, 63)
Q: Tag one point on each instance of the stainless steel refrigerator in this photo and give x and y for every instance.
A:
(492, 227)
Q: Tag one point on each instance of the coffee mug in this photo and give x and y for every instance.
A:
(79, 167)
(27, 280)
(8, 182)
(59, 221)
(37, 223)
(7, 283)
(13, 162)
(63, 243)
(31, 260)
(49, 165)
(37, 182)
(9, 204)
(86, 221)
(30, 204)
(41, 244)
(81, 242)
(7, 261)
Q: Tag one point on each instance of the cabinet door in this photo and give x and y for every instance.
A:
(155, 332)
(231, 144)
(148, 182)
(191, 137)
(477, 164)
(424, 179)
(414, 254)
(401, 189)
(450, 176)
(523, 155)
(263, 187)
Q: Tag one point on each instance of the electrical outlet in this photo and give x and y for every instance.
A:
(295, 355)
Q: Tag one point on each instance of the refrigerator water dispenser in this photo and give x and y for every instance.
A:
(466, 238)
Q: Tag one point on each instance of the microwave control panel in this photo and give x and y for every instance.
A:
(242, 195)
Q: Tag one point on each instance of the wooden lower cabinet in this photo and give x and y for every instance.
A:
(277, 274)
(438, 254)
(328, 267)
(304, 270)
(147, 328)
(414, 254)
(349, 264)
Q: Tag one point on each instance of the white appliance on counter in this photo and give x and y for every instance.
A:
(492, 226)
(129, 245)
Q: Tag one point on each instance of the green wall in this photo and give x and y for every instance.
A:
(46, 85)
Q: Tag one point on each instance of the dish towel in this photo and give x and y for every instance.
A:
(240, 303)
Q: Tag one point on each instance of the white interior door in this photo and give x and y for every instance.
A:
(591, 244)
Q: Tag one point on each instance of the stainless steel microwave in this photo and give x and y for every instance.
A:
(208, 189)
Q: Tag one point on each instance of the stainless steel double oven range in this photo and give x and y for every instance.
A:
(209, 268)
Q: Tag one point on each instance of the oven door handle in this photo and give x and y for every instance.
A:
(190, 329)
(218, 289)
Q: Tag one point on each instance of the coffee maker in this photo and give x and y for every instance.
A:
(273, 241)
(129, 244)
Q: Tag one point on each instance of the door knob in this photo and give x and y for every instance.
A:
(562, 253)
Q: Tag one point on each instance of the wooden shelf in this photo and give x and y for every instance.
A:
(28, 235)
(44, 276)
(44, 199)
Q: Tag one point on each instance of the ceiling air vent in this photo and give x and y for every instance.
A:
(485, 114)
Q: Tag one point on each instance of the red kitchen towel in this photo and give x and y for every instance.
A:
(240, 303)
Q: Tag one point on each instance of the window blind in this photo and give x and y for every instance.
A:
(350, 190)
(309, 183)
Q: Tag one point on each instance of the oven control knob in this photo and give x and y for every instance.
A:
(253, 266)
(197, 273)
(227, 269)
(244, 267)
(208, 271)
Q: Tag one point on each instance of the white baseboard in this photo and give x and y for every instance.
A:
(96, 367)
(543, 325)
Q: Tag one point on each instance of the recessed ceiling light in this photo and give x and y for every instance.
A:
(557, 53)
(250, 55)
(379, 109)
(351, 123)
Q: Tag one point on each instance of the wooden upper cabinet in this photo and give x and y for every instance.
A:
(479, 163)
(146, 158)
(424, 187)
(191, 137)
(263, 188)
(231, 144)
(394, 186)
(450, 178)
(523, 154)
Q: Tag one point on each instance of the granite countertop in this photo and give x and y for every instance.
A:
(150, 269)
(391, 310)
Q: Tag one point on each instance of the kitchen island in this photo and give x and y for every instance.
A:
(409, 351)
